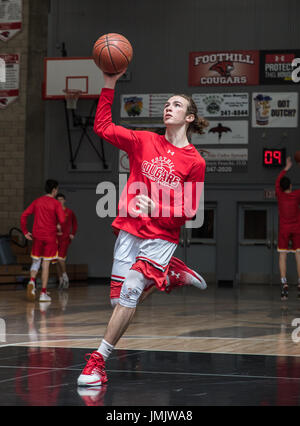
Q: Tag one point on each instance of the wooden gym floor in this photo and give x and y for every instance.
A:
(222, 346)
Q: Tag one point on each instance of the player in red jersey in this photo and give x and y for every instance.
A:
(65, 236)
(289, 225)
(47, 213)
(162, 193)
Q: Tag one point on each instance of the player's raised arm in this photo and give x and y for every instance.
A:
(104, 127)
(112, 53)
(288, 164)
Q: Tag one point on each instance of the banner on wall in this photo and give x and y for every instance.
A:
(226, 68)
(10, 18)
(143, 105)
(10, 87)
(275, 109)
(276, 66)
(223, 132)
(222, 104)
(233, 160)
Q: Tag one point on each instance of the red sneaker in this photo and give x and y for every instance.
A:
(179, 275)
(94, 372)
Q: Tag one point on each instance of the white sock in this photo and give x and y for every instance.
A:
(105, 349)
(283, 280)
(65, 276)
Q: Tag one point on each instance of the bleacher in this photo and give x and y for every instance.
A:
(20, 271)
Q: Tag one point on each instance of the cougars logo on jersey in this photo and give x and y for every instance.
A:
(160, 170)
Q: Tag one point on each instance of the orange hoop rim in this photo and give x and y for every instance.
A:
(72, 93)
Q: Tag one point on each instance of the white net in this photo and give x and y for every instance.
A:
(71, 97)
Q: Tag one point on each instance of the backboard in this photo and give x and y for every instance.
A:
(71, 73)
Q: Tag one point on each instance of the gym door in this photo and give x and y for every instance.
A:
(197, 247)
(257, 245)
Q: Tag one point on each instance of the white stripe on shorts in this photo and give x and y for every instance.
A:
(129, 248)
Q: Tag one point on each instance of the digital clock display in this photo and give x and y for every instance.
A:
(273, 157)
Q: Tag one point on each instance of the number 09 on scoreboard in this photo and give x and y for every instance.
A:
(273, 157)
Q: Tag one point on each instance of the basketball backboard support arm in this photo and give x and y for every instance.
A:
(84, 124)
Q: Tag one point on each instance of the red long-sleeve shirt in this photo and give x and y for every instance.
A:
(159, 170)
(47, 212)
(288, 206)
(70, 224)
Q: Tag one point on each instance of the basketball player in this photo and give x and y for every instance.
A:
(65, 236)
(148, 221)
(47, 213)
(289, 225)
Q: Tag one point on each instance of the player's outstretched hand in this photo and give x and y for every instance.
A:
(28, 236)
(288, 164)
(111, 79)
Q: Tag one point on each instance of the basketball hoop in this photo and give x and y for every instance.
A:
(71, 97)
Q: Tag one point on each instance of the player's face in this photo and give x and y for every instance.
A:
(175, 111)
(62, 201)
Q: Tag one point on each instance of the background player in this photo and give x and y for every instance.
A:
(47, 212)
(65, 236)
(169, 161)
(289, 225)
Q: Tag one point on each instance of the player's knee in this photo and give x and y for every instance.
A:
(132, 289)
(35, 266)
(114, 302)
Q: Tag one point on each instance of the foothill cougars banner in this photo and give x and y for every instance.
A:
(226, 68)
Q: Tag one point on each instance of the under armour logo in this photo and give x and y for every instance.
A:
(173, 274)
(171, 152)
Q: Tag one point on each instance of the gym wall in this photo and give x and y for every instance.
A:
(22, 133)
(162, 34)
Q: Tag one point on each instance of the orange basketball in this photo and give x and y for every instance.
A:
(297, 156)
(112, 53)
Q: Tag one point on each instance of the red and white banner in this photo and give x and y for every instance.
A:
(10, 18)
(226, 68)
(10, 79)
(276, 66)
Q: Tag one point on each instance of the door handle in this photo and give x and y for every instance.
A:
(188, 242)
(269, 244)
